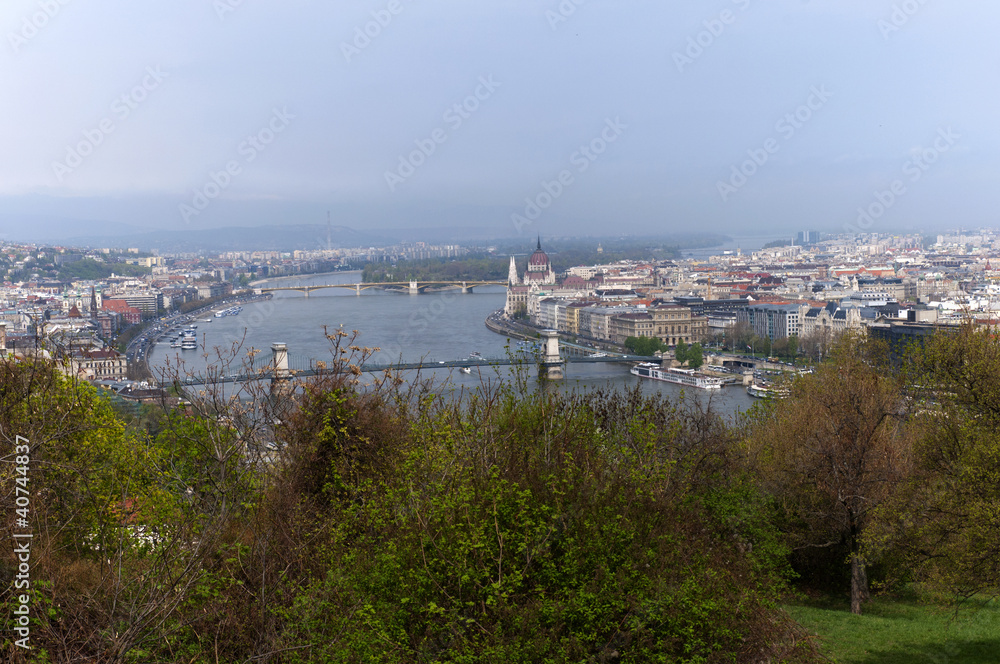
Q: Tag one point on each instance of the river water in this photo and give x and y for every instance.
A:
(430, 327)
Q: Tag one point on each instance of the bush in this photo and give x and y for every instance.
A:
(545, 529)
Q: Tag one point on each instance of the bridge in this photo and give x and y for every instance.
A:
(410, 287)
(548, 359)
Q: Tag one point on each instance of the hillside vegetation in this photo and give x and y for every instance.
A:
(364, 519)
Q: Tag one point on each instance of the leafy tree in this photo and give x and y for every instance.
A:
(695, 356)
(833, 451)
(681, 352)
(945, 521)
(646, 346)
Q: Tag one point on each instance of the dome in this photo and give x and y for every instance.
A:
(539, 258)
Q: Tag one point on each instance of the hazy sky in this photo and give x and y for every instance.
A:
(608, 115)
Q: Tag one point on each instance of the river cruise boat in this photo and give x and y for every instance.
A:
(685, 377)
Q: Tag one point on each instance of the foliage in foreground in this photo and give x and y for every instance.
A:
(944, 523)
(397, 526)
(832, 452)
(539, 529)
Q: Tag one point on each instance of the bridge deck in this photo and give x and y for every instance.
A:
(485, 362)
(420, 285)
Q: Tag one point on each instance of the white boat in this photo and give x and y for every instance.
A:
(190, 339)
(465, 370)
(758, 391)
(686, 377)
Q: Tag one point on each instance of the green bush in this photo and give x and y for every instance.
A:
(545, 529)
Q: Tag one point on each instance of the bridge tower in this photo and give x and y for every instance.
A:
(279, 363)
(413, 288)
(550, 365)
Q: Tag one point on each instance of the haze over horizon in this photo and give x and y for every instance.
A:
(551, 117)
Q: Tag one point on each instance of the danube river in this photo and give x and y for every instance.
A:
(431, 327)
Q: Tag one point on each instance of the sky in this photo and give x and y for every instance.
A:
(512, 118)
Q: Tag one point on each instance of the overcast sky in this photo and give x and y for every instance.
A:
(592, 116)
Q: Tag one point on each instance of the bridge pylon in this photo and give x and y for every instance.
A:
(550, 365)
(281, 374)
(414, 290)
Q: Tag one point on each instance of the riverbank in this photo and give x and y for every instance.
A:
(140, 348)
(498, 323)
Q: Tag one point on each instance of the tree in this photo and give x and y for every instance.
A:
(646, 346)
(833, 451)
(695, 356)
(681, 352)
(944, 520)
(740, 336)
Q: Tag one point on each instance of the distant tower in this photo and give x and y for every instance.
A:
(93, 303)
(539, 268)
(329, 242)
(600, 249)
(512, 273)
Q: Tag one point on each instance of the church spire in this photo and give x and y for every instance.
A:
(539, 246)
(512, 273)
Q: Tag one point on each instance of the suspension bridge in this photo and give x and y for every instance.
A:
(547, 357)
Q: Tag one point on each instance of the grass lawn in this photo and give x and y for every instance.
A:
(904, 629)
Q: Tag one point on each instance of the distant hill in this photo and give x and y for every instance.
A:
(257, 238)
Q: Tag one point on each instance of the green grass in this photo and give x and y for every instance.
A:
(904, 629)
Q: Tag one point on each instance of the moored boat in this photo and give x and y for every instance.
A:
(758, 391)
(686, 377)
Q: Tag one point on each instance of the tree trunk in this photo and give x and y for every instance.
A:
(859, 582)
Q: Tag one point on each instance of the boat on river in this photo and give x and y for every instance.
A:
(685, 377)
(758, 391)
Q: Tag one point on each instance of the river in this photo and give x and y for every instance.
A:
(431, 327)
